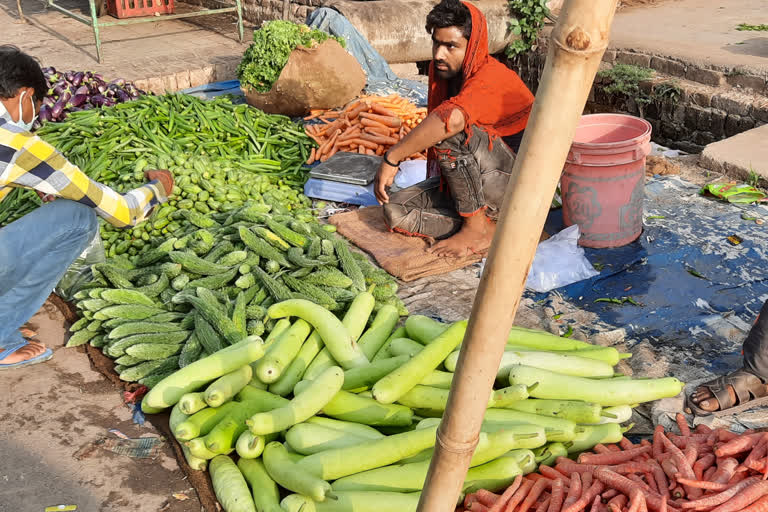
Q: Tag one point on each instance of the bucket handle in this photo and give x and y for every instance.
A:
(574, 157)
(640, 152)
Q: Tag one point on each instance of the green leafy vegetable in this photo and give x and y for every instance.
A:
(272, 45)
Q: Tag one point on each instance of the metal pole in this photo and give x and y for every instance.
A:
(577, 45)
(239, 6)
(95, 25)
(21, 12)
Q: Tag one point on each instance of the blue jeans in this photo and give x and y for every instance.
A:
(35, 252)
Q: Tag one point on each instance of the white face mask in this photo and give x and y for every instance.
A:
(20, 123)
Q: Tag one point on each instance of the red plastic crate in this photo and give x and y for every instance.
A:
(135, 8)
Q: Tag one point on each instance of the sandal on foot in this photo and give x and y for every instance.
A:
(29, 362)
(750, 391)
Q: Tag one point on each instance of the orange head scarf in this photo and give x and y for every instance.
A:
(492, 96)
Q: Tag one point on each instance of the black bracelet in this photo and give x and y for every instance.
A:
(388, 162)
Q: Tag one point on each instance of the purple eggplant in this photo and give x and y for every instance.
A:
(45, 113)
(72, 91)
(98, 100)
(78, 100)
(58, 110)
(59, 88)
(77, 79)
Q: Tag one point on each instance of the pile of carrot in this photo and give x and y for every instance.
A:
(702, 470)
(369, 125)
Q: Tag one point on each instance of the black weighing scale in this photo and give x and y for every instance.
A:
(344, 178)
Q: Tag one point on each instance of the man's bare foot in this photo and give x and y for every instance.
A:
(735, 389)
(704, 398)
(29, 351)
(475, 235)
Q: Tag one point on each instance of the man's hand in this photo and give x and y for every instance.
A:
(164, 177)
(384, 178)
(47, 198)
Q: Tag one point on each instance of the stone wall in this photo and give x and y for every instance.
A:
(257, 11)
(712, 104)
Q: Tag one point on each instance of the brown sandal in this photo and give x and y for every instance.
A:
(750, 391)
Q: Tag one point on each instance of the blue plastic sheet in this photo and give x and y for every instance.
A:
(214, 89)
(698, 291)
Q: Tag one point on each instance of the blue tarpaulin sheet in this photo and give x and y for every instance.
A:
(214, 89)
(697, 291)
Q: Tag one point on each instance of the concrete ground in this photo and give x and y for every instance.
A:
(208, 46)
(53, 417)
(739, 155)
(702, 32)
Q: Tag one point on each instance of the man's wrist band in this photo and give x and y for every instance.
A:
(386, 160)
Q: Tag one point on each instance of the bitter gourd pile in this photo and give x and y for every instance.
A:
(209, 286)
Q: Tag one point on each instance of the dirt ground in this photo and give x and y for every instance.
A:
(56, 414)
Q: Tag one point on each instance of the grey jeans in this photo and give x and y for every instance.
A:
(474, 179)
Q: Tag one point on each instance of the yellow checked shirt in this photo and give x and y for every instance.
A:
(27, 161)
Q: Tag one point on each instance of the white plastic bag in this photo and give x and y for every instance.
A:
(559, 261)
(411, 172)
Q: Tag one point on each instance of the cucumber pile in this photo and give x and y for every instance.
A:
(203, 186)
(184, 297)
(340, 415)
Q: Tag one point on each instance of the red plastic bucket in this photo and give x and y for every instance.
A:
(603, 183)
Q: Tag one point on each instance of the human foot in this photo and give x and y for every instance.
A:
(705, 399)
(475, 236)
(27, 332)
(29, 351)
(725, 392)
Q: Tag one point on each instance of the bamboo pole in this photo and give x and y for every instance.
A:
(577, 45)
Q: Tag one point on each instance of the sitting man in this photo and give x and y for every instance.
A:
(37, 249)
(478, 109)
